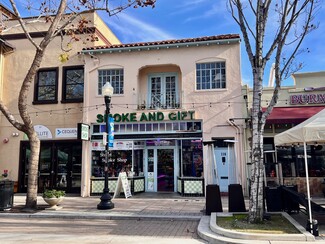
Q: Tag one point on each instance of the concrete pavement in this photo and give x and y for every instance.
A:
(146, 206)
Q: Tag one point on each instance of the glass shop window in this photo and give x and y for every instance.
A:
(192, 158)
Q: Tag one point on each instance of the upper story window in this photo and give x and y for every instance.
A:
(163, 91)
(73, 84)
(210, 75)
(46, 87)
(114, 76)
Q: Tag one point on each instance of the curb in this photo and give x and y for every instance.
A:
(209, 231)
(74, 215)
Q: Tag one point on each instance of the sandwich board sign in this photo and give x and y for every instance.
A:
(122, 181)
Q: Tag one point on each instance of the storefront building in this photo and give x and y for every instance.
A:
(55, 105)
(285, 165)
(172, 105)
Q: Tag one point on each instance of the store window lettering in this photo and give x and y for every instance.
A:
(146, 117)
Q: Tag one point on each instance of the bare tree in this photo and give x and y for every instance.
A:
(60, 15)
(273, 31)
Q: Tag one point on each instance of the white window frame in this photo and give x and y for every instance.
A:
(163, 77)
(208, 73)
(117, 90)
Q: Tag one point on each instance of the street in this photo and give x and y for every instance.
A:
(43, 230)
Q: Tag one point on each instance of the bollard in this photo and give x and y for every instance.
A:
(313, 228)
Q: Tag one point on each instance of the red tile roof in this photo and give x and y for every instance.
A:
(167, 42)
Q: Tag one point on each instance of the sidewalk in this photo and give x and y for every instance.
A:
(153, 206)
(145, 205)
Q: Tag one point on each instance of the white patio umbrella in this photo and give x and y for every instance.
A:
(310, 131)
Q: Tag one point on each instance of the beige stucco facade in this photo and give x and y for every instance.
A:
(14, 68)
(215, 108)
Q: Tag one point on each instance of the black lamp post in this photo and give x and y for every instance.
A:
(105, 199)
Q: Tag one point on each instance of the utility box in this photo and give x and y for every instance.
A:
(6, 194)
(213, 199)
(236, 202)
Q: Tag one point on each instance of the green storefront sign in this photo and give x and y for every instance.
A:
(147, 117)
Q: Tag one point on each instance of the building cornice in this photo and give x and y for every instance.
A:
(147, 46)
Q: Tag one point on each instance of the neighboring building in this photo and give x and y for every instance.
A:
(296, 103)
(5, 47)
(170, 99)
(55, 104)
(5, 14)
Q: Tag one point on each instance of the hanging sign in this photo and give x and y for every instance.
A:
(111, 132)
(83, 132)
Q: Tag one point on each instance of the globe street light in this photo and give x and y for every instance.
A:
(105, 199)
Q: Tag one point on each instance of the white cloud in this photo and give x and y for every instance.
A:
(217, 9)
(187, 3)
(185, 6)
(132, 29)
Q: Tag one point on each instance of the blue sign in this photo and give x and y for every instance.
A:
(111, 132)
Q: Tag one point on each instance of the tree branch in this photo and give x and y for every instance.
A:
(11, 118)
(241, 22)
(21, 22)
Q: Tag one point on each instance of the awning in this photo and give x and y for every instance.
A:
(283, 115)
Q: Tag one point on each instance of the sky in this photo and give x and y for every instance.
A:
(177, 19)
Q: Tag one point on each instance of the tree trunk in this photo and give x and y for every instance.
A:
(256, 206)
(32, 189)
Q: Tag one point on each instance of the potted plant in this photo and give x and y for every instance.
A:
(53, 197)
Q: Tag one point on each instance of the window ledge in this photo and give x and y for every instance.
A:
(72, 101)
(213, 90)
(45, 102)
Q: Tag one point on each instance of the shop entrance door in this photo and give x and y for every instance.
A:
(221, 155)
(68, 168)
(165, 173)
(160, 173)
(59, 166)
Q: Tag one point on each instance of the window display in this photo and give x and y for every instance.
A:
(119, 161)
(192, 158)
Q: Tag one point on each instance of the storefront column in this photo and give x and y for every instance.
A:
(86, 169)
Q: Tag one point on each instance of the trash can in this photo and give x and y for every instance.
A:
(6, 194)
(289, 205)
(273, 198)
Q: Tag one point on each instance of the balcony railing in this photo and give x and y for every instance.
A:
(160, 101)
